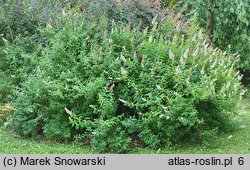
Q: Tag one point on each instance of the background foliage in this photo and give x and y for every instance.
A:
(231, 25)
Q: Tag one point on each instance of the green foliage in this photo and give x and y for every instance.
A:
(57, 127)
(20, 23)
(17, 62)
(19, 37)
(231, 25)
(125, 87)
(169, 3)
(112, 132)
(236, 142)
(211, 138)
(134, 12)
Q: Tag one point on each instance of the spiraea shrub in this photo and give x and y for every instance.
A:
(127, 87)
(19, 37)
(20, 22)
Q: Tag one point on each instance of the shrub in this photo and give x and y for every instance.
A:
(17, 62)
(21, 20)
(19, 38)
(126, 87)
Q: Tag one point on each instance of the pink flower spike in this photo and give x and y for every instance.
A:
(112, 87)
(176, 23)
(163, 19)
(105, 35)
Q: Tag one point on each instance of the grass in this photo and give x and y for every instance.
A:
(11, 144)
(238, 142)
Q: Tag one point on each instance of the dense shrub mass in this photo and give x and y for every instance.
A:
(118, 87)
(21, 20)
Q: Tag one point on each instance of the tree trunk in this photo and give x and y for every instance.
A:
(210, 22)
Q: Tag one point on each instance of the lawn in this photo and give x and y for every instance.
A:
(237, 142)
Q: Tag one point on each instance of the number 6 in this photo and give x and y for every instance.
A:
(241, 161)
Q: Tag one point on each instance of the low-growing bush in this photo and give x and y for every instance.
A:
(127, 87)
